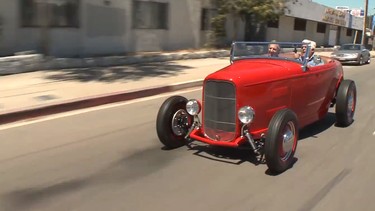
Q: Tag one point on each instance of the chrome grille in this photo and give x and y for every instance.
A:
(219, 110)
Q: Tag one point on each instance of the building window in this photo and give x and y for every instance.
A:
(207, 15)
(273, 24)
(36, 13)
(150, 15)
(321, 28)
(299, 24)
(349, 32)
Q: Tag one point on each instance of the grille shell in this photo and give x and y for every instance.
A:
(220, 110)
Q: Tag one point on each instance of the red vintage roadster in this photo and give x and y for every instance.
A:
(261, 102)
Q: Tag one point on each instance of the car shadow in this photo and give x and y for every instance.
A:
(235, 156)
(316, 128)
(349, 64)
(238, 156)
(270, 173)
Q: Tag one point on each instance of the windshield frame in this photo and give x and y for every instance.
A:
(284, 45)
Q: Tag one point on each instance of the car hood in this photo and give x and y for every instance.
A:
(346, 51)
(248, 72)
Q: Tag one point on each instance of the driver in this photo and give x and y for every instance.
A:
(313, 60)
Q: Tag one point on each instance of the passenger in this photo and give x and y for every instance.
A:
(313, 60)
(273, 50)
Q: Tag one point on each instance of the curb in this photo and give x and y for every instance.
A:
(35, 62)
(92, 101)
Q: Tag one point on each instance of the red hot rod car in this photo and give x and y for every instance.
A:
(261, 102)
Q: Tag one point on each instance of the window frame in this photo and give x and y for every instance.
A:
(321, 28)
(349, 31)
(35, 19)
(299, 24)
(163, 25)
(206, 16)
(273, 24)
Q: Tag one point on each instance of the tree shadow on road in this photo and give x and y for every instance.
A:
(118, 73)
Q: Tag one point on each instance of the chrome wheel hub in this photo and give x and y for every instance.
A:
(180, 122)
(288, 141)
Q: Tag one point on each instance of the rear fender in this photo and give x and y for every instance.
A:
(340, 76)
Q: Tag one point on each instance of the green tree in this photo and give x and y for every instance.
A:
(252, 12)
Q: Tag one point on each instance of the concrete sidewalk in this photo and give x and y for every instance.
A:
(39, 93)
(45, 92)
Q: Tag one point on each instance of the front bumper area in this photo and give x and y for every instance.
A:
(197, 134)
(347, 60)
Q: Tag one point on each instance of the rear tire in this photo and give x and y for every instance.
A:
(346, 100)
(281, 141)
(173, 122)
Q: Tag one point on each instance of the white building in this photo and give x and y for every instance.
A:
(103, 27)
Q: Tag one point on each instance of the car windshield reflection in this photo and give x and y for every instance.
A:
(267, 50)
(351, 47)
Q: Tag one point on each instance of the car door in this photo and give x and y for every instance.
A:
(321, 86)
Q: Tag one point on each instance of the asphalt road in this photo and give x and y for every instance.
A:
(109, 158)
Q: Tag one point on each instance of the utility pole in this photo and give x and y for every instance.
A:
(364, 23)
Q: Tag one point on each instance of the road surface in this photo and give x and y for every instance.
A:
(109, 158)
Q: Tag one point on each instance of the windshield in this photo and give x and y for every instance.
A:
(269, 50)
(351, 47)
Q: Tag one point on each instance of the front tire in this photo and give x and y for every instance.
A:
(173, 122)
(346, 100)
(281, 141)
(360, 61)
(369, 59)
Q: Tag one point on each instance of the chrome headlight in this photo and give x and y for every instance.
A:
(193, 107)
(246, 114)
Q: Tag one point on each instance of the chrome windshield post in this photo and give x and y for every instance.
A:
(306, 58)
(231, 56)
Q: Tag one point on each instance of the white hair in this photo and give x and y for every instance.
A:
(312, 43)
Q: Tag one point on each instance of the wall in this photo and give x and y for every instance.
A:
(183, 29)
(8, 28)
(286, 30)
(105, 29)
(346, 39)
(185, 24)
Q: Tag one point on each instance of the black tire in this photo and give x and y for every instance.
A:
(174, 106)
(284, 124)
(360, 61)
(346, 100)
(369, 59)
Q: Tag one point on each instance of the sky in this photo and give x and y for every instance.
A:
(352, 4)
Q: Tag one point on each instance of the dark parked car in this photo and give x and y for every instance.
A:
(352, 54)
(260, 103)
